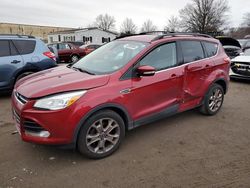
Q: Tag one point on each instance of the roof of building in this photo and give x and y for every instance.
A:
(80, 29)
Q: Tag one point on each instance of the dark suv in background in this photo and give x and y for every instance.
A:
(20, 56)
(69, 52)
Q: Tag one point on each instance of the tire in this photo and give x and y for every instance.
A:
(101, 135)
(74, 58)
(213, 100)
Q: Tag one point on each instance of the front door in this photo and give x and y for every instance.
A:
(10, 63)
(161, 93)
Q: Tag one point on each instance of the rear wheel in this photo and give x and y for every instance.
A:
(74, 58)
(101, 135)
(213, 100)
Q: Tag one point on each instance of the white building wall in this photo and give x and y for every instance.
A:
(96, 34)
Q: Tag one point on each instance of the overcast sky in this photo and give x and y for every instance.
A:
(81, 13)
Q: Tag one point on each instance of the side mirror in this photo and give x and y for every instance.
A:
(146, 71)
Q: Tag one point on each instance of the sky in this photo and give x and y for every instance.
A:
(82, 13)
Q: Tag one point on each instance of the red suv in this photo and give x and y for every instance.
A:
(69, 51)
(120, 86)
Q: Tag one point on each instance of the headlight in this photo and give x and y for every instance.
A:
(59, 101)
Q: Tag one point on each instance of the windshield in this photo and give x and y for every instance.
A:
(110, 57)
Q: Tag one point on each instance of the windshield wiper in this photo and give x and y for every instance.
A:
(82, 70)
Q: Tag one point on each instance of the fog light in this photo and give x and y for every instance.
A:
(43, 134)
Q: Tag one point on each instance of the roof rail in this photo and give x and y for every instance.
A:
(178, 34)
(17, 35)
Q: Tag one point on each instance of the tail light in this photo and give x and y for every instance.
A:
(50, 55)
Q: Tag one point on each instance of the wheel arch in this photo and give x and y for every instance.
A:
(110, 106)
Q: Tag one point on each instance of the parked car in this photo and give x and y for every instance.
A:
(54, 50)
(124, 84)
(21, 56)
(88, 48)
(240, 66)
(68, 52)
(232, 46)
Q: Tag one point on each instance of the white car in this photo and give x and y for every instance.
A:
(240, 66)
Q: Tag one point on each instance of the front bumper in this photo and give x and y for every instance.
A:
(45, 127)
(239, 73)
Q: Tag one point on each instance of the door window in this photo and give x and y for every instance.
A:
(63, 46)
(5, 48)
(25, 46)
(192, 51)
(161, 57)
(211, 48)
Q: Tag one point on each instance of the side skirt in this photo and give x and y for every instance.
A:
(157, 116)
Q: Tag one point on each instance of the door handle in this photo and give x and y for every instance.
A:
(207, 66)
(173, 76)
(15, 61)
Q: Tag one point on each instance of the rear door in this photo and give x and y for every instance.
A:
(197, 70)
(161, 93)
(10, 63)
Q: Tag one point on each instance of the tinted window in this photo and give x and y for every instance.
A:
(63, 46)
(162, 57)
(192, 51)
(4, 48)
(13, 49)
(25, 46)
(211, 48)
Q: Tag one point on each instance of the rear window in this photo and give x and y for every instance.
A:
(192, 51)
(5, 48)
(211, 48)
(25, 46)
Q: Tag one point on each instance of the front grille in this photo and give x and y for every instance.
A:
(241, 68)
(20, 98)
(16, 116)
(31, 126)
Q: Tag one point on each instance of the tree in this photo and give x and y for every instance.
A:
(105, 22)
(128, 26)
(173, 24)
(204, 16)
(148, 26)
(246, 19)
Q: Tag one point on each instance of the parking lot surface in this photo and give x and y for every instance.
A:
(185, 150)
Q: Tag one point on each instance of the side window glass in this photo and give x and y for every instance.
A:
(25, 46)
(13, 49)
(192, 51)
(5, 48)
(162, 57)
(211, 48)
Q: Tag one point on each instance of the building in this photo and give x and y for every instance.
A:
(34, 30)
(86, 35)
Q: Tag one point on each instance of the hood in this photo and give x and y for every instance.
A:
(228, 41)
(58, 80)
(241, 58)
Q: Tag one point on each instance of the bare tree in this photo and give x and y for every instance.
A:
(246, 19)
(173, 24)
(204, 16)
(128, 26)
(148, 26)
(105, 22)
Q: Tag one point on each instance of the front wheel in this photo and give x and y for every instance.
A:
(101, 135)
(74, 59)
(213, 100)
